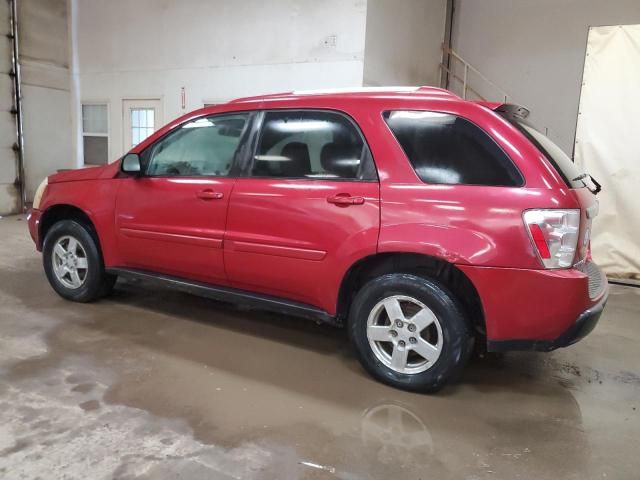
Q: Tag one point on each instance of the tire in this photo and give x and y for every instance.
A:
(437, 318)
(92, 282)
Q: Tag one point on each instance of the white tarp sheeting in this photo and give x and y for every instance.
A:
(608, 144)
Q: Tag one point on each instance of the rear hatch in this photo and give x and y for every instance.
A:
(582, 184)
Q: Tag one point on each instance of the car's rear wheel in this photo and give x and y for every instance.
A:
(73, 263)
(409, 332)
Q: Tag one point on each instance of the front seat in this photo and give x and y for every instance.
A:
(341, 161)
(299, 163)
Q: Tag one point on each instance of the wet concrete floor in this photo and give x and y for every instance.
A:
(156, 384)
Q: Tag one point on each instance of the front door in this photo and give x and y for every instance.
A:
(309, 210)
(172, 219)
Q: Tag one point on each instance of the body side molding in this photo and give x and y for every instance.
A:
(231, 295)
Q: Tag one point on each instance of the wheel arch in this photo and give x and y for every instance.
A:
(418, 264)
(63, 211)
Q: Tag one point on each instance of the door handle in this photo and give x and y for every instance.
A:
(209, 195)
(344, 200)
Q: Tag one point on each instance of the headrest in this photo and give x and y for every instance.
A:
(299, 163)
(340, 161)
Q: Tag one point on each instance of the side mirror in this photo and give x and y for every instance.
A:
(131, 164)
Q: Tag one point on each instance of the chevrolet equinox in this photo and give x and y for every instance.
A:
(420, 221)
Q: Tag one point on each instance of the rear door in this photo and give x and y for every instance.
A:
(307, 210)
(172, 219)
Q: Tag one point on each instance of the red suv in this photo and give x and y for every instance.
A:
(418, 220)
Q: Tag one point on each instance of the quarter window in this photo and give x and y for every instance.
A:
(447, 149)
(202, 147)
(311, 145)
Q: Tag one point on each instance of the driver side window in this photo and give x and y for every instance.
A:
(202, 147)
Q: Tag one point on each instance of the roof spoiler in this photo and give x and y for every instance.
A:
(515, 110)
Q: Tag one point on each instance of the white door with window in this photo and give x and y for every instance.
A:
(141, 119)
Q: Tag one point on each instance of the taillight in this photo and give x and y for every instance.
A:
(554, 234)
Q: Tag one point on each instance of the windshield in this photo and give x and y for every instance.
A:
(567, 169)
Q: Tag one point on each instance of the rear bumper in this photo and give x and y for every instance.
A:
(33, 220)
(528, 309)
(582, 327)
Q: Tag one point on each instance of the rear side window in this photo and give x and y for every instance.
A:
(447, 149)
(308, 144)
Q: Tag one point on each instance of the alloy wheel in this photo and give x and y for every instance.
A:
(70, 263)
(404, 334)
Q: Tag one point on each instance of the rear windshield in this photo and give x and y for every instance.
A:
(568, 170)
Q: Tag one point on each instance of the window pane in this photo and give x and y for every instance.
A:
(308, 144)
(94, 119)
(205, 146)
(96, 150)
(446, 149)
(142, 124)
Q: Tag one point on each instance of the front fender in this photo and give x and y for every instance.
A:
(96, 199)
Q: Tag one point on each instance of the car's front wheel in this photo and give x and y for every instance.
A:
(409, 332)
(73, 263)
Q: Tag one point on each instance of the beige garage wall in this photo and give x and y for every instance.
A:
(403, 41)
(46, 102)
(608, 144)
(534, 49)
(216, 50)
